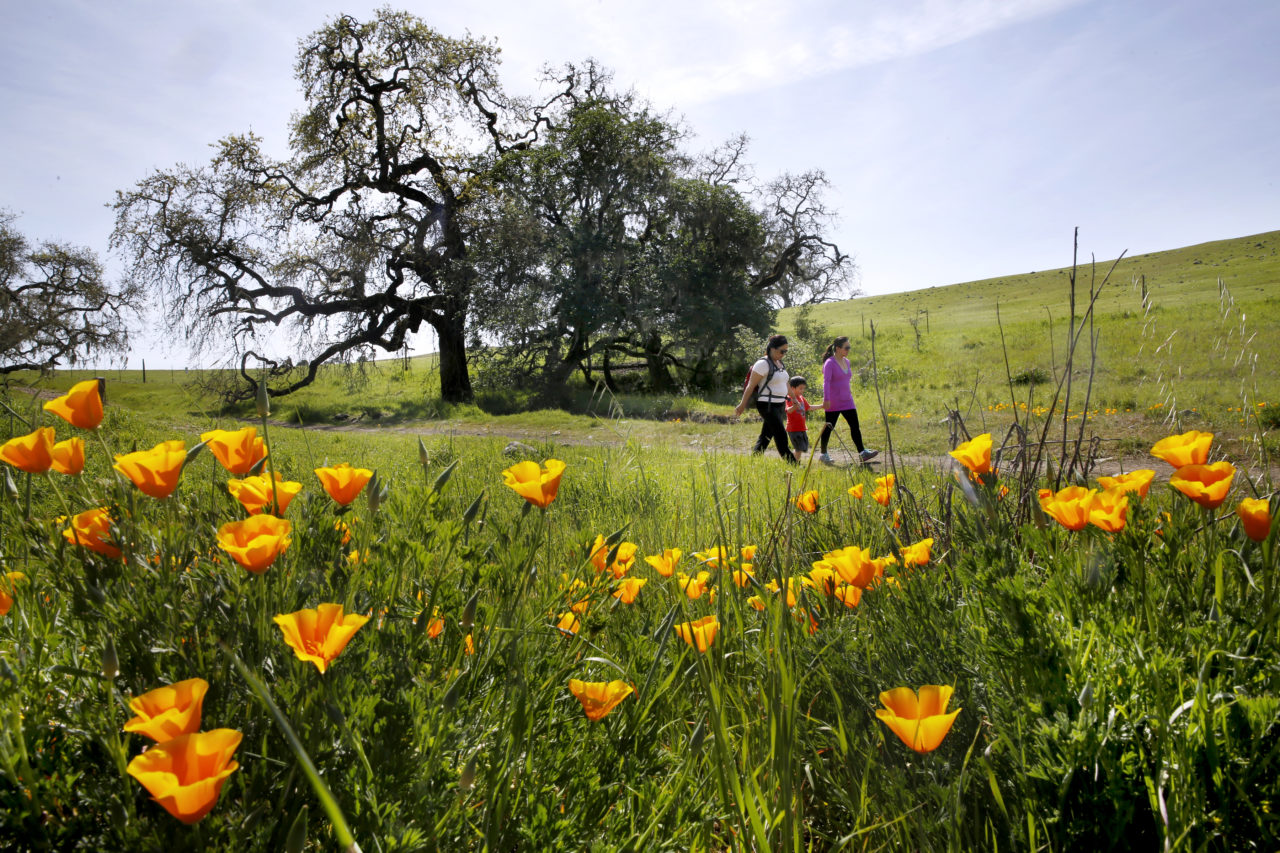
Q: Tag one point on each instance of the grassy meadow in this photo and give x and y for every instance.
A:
(1116, 685)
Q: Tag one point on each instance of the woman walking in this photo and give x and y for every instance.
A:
(837, 399)
(768, 382)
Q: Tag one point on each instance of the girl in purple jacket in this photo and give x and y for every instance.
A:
(837, 398)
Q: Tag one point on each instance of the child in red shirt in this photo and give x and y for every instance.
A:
(797, 408)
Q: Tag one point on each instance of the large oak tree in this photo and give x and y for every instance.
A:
(55, 304)
(363, 233)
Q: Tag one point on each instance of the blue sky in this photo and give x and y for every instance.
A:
(964, 138)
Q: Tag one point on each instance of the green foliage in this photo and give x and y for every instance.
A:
(1115, 689)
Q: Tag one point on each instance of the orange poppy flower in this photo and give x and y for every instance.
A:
(1190, 448)
(917, 554)
(1207, 485)
(256, 493)
(628, 589)
(7, 586)
(156, 471)
(598, 698)
(664, 563)
(712, 558)
(342, 482)
(756, 602)
(92, 529)
(320, 634)
(700, 633)
(822, 578)
(773, 587)
(32, 452)
(1108, 510)
(884, 490)
(855, 492)
(748, 552)
(848, 595)
(808, 501)
(693, 585)
(1070, 506)
(921, 722)
(536, 484)
(852, 564)
(435, 625)
(742, 577)
(80, 407)
(975, 454)
(169, 711)
(1255, 515)
(623, 560)
(68, 456)
(238, 450)
(185, 774)
(569, 623)
(256, 542)
(1134, 481)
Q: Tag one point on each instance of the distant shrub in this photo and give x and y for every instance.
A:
(1031, 376)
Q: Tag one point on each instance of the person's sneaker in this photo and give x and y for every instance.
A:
(869, 454)
(825, 459)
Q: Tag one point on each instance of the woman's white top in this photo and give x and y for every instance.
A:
(776, 390)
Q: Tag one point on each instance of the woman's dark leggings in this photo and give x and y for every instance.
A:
(851, 417)
(774, 428)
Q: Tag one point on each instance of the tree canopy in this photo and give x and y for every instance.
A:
(55, 305)
(416, 191)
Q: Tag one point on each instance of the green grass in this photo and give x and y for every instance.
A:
(1191, 354)
(1116, 690)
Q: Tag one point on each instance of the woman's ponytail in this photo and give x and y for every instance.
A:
(831, 350)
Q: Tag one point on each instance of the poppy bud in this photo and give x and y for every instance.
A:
(469, 611)
(467, 780)
(110, 660)
(470, 514)
(444, 477)
(263, 401)
(451, 696)
(424, 458)
(10, 487)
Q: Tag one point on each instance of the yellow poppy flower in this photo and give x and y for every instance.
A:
(693, 585)
(81, 406)
(975, 454)
(917, 554)
(664, 563)
(156, 471)
(599, 698)
(320, 634)
(68, 456)
(238, 451)
(185, 774)
(1207, 485)
(1135, 481)
(628, 589)
(1190, 448)
(92, 529)
(884, 490)
(537, 484)
(920, 721)
(169, 711)
(852, 564)
(256, 542)
(1108, 510)
(700, 633)
(808, 501)
(32, 453)
(1255, 515)
(255, 493)
(1069, 507)
(342, 482)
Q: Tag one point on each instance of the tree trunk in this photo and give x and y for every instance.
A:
(455, 381)
(659, 377)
